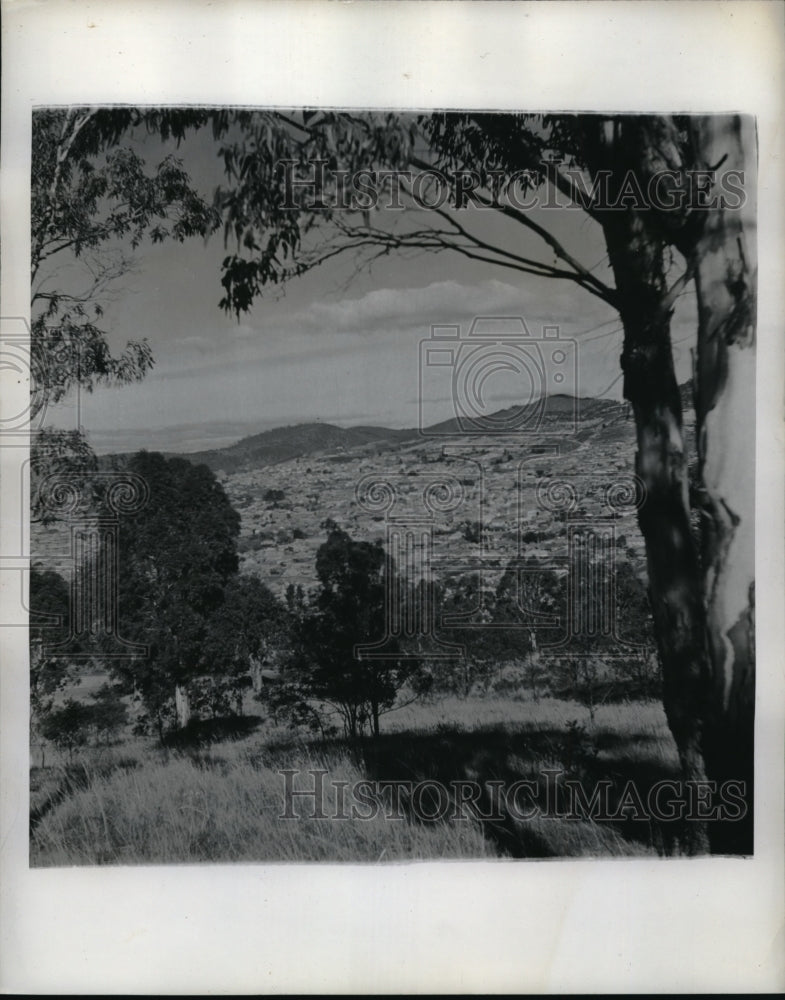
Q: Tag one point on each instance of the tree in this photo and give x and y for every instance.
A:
(702, 594)
(251, 626)
(532, 595)
(468, 621)
(178, 554)
(108, 713)
(650, 183)
(346, 611)
(93, 202)
(49, 673)
(68, 726)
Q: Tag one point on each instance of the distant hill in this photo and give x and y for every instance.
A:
(285, 443)
(282, 444)
(301, 440)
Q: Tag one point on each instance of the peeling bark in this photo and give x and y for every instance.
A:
(636, 249)
(725, 411)
(702, 592)
(673, 563)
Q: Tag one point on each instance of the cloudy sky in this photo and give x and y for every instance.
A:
(339, 346)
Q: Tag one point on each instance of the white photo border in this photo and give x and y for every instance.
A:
(633, 925)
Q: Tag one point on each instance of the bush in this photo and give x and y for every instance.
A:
(218, 696)
(472, 531)
(72, 725)
(68, 727)
(109, 713)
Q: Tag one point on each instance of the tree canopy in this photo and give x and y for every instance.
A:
(93, 200)
(347, 611)
(178, 554)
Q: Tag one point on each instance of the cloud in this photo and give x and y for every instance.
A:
(375, 321)
(352, 360)
(439, 302)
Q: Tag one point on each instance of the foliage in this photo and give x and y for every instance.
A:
(178, 553)
(283, 183)
(252, 622)
(506, 634)
(68, 726)
(91, 199)
(49, 611)
(218, 696)
(66, 455)
(346, 611)
(256, 203)
(108, 713)
(93, 202)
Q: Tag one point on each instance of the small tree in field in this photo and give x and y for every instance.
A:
(108, 713)
(346, 611)
(533, 596)
(68, 726)
(178, 554)
(252, 624)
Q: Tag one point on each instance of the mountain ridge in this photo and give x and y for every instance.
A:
(293, 441)
(282, 444)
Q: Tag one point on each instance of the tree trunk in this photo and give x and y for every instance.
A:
(636, 253)
(375, 712)
(725, 415)
(182, 704)
(664, 518)
(701, 591)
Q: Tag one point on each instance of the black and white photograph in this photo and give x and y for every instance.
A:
(407, 508)
(386, 483)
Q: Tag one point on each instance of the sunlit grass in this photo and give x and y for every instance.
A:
(190, 811)
(139, 803)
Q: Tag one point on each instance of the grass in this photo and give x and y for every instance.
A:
(137, 803)
(214, 809)
(635, 719)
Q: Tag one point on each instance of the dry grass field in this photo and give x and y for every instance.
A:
(221, 797)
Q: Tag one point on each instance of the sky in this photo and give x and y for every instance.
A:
(339, 345)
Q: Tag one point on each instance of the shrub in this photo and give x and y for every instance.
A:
(472, 531)
(108, 714)
(68, 727)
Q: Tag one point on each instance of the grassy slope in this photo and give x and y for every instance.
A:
(136, 803)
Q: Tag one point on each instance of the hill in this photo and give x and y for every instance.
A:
(283, 444)
(286, 482)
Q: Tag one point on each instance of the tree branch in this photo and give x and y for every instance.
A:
(584, 277)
